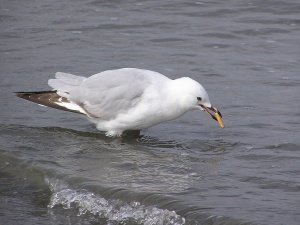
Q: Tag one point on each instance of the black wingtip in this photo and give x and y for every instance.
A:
(46, 98)
(26, 95)
(34, 92)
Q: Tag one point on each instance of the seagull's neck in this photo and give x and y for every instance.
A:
(178, 93)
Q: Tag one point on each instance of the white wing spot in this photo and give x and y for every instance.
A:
(71, 106)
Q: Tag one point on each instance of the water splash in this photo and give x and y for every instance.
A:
(113, 210)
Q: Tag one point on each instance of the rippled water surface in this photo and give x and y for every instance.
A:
(56, 168)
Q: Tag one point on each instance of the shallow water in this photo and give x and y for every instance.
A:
(56, 168)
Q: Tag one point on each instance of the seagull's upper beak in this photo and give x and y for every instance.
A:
(214, 113)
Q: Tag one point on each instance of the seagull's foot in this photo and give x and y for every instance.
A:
(127, 133)
(113, 133)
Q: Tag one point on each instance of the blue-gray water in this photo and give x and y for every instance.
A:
(56, 168)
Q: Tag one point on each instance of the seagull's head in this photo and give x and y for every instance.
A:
(194, 96)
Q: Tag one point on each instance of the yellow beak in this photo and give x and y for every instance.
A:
(215, 114)
(219, 120)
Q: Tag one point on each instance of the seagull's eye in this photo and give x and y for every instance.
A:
(199, 98)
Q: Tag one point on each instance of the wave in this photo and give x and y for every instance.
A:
(114, 210)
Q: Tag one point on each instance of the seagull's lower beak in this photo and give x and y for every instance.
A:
(215, 114)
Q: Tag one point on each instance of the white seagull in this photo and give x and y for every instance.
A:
(125, 99)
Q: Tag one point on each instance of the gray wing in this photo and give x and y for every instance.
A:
(106, 94)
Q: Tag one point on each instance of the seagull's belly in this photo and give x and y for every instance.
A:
(141, 119)
(120, 125)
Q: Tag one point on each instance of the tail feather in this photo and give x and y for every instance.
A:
(51, 99)
(65, 83)
(73, 79)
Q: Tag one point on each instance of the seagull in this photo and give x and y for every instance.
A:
(127, 99)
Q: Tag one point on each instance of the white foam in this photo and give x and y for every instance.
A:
(113, 210)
